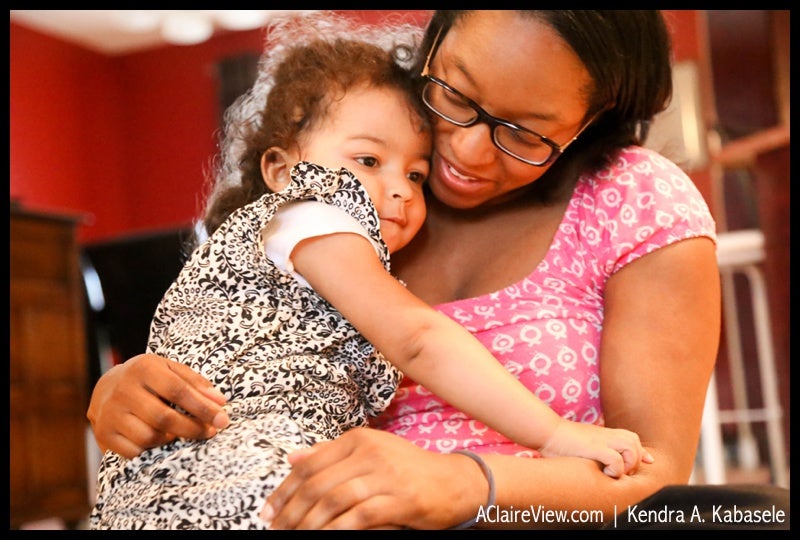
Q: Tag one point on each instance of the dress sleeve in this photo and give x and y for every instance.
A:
(647, 202)
(297, 221)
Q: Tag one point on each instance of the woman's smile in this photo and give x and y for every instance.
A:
(468, 190)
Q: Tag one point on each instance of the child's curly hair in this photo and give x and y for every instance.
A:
(308, 60)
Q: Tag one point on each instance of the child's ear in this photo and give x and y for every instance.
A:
(275, 166)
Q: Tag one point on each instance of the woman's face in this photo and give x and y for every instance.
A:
(517, 69)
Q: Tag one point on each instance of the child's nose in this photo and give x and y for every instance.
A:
(401, 189)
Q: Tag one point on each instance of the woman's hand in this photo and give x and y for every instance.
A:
(129, 409)
(369, 479)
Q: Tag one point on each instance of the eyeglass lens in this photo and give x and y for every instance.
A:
(455, 108)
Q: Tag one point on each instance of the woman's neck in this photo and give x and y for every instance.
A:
(464, 253)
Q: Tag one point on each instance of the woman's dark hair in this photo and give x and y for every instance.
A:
(303, 72)
(628, 54)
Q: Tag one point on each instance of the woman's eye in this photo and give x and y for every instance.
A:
(368, 161)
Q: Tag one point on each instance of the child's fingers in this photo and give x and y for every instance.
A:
(614, 464)
(631, 459)
(613, 470)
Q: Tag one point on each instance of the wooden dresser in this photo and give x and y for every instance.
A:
(48, 373)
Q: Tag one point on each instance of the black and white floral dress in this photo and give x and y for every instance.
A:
(295, 372)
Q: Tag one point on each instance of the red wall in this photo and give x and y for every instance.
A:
(65, 137)
(125, 140)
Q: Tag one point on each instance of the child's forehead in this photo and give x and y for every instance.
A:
(384, 114)
(369, 99)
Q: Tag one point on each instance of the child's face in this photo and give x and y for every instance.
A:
(374, 134)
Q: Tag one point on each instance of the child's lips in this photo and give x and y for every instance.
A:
(400, 221)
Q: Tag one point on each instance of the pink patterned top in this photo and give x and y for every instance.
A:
(546, 328)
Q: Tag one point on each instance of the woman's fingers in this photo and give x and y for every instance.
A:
(369, 479)
(333, 485)
(315, 472)
(130, 408)
(177, 384)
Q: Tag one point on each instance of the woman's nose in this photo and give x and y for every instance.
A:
(473, 145)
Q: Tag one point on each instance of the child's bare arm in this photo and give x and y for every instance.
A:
(440, 354)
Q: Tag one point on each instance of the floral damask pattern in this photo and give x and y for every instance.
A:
(295, 372)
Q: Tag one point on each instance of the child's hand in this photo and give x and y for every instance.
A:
(619, 451)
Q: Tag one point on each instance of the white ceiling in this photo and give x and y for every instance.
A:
(110, 31)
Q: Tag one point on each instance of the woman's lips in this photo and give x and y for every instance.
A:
(456, 179)
(458, 182)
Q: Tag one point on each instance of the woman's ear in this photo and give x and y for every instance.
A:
(275, 166)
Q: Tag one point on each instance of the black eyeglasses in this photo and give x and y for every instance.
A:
(515, 140)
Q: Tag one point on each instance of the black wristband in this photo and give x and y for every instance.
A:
(489, 477)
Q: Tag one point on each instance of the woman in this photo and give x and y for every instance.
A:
(584, 262)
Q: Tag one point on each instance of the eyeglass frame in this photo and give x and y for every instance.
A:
(483, 117)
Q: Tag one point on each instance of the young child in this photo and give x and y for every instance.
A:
(286, 304)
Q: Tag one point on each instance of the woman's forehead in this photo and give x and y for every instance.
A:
(514, 64)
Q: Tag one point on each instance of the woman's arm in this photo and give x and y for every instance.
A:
(129, 407)
(659, 346)
(660, 339)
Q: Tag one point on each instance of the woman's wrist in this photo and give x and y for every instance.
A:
(487, 472)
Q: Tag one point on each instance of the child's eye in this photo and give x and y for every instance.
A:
(417, 177)
(368, 161)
